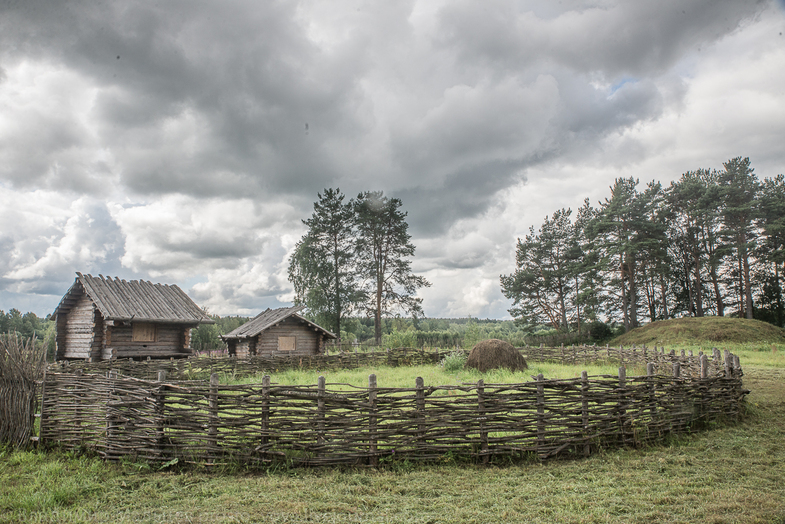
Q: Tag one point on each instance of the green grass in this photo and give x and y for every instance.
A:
(706, 331)
(731, 474)
(404, 377)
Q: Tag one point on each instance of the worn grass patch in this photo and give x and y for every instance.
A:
(731, 474)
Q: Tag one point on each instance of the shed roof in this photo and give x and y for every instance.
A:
(269, 318)
(136, 300)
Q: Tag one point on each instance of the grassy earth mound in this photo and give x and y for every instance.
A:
(705, 330)
(494, 354)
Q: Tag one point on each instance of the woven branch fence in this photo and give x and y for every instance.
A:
(208, 424)
(21, 366)
(203, 367)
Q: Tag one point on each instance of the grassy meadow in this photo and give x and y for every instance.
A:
(404, 377)
(731, 474)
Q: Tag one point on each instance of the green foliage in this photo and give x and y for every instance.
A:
(710, 244)
(355, 256)
(383, 253)
(454, 362)
(400, 339)
(542, 286)
(323, 268)
(207, 337)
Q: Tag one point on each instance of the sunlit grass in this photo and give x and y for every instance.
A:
(433, 375)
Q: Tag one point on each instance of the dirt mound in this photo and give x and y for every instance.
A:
(494, 354)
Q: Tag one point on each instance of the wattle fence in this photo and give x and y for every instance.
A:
(209, 424)
(202, 367)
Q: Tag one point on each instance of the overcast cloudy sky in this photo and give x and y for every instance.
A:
(183, 141)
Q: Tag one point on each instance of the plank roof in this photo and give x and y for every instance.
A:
(269, 318)
(137, 300)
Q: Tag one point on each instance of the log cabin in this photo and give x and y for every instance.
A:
(104, 318)
(275, 332)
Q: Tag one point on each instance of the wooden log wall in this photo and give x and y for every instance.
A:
(308, 340)
(79, 330)
(169, 342)
(206, 423)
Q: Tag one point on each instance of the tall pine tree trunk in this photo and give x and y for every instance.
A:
(718, 295)
(698, 286)
(624, 297)
(747, 283)
(742, 294)
(377, 319)
(633, 293)
(664, 297)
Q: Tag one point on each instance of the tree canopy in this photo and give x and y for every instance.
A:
(710, 243)
(355, 256)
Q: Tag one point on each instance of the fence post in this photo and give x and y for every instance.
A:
(650, 369)
(676, 370)
(110, 420)
(160, 397)
(42, 418)
(585, 412)
(481, 411)
(374, 458)
(727, 364)
(320, 415)
(420, 396)
(622, 408)
(704, 360)
(212, 431)
(540, 417)
(265, 432)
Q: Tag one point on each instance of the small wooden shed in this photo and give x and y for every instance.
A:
(104, 318)
(277, 332)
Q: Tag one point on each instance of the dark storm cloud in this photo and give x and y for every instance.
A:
(614, 39)
(478, 158)
(225, 89)
(213, 245)
(207, 98)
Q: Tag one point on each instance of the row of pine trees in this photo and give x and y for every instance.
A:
(711, 243)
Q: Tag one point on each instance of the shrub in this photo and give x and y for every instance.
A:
(454, 361)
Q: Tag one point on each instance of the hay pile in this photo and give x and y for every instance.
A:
(493, 354)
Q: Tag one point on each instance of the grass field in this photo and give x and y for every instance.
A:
(404, 377)
(726, 475)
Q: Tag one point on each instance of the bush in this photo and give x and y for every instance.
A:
(599, 331)
(454, 361)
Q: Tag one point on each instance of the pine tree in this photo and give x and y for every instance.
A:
(383, 248)
(322, 267)
(739, 194)
(771, 220)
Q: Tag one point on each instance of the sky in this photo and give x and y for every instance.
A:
(184, 142)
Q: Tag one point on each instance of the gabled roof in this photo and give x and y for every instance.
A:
(269, 318)
(136, 300)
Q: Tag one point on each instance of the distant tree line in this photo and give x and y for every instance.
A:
(355, 258)
(25, 325)
(207, 337)
(709, 244)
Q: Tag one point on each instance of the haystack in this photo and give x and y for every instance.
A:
(493, 354)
